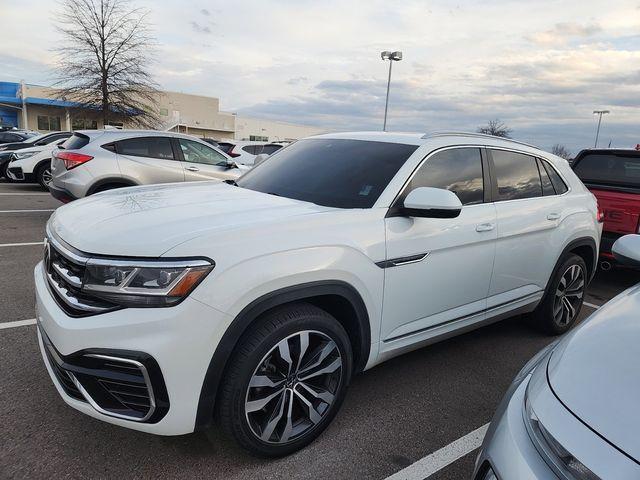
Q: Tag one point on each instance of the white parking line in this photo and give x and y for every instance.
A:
(23, 193)
(28, 211)
(591, 305)
(19, 323)
(25, 244)
(441, 458)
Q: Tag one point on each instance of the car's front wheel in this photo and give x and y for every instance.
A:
(43, 175)
(286, 380)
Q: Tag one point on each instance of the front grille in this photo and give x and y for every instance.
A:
(64, 271)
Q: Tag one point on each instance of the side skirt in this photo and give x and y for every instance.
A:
(412, 341)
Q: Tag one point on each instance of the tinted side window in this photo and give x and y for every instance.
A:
(517, 175)
(558, 184)
(458, 170)
(75, 141)
(225, 147)
(547, 186)
(195, 152)
(269, 149)
(252, 149)
(154, 147)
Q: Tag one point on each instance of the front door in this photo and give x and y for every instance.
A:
(202, 162)
(439, 270)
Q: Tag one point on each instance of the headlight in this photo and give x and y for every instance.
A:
(566, 465)
(23, 155)
(144, 283)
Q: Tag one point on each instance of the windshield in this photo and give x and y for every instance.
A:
(331, 172)
(609, 169)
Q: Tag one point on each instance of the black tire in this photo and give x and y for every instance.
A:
(547, 315)
(41, 175)
(256, 355)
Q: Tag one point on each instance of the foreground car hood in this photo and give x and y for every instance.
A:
(148, 221)
(594, 372)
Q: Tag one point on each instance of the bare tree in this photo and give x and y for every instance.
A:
(561, 151)
(496, 128)
(103, 62)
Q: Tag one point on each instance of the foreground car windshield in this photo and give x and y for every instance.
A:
(331, 172)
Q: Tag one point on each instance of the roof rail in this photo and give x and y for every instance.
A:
(474, 135)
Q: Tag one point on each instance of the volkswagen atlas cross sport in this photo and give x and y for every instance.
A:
(255, 301)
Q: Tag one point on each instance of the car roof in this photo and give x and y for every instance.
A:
(413, 138)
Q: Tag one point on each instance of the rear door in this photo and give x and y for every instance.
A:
(149, 160)
(526, 248)
(202, 162)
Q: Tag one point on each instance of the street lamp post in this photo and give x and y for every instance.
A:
(599, 113)
(392, 57)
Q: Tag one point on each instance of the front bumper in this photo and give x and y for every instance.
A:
(180, 340)
(61, 194)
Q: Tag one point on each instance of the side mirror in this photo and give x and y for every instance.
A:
(626, 250)
(260, 158)
(432, 203)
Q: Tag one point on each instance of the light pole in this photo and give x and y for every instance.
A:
(392, 57)
(599, 113)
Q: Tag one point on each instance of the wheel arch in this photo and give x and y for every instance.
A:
(336, 297)
(111, 181)
(40, 164)
(584, 247)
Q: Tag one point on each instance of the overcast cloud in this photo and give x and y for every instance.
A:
(541, 67)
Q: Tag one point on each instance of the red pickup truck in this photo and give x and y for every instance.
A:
(613, 176)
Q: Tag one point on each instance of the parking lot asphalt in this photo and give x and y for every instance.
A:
(394, 414)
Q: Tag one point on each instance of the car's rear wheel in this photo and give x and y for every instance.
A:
(43, 175)
(286, 380)
(560, 307)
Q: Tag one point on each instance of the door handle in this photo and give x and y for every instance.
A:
(485, 227)
(553, 216)
(192, 169)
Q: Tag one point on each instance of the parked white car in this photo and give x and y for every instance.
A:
(93, 161)
(245, 152)
(255, 301)
(33, 164)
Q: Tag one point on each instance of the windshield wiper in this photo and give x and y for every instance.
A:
(231, 182)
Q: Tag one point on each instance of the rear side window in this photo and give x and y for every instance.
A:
(558, 184)
(547, 186)
(609, 169)
(458, 170)
(75, 141)
(269, 149)
(253, 149)
(516, 174)
(153, 147)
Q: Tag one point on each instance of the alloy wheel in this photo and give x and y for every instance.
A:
(293, 387)
(47, 177)
(569, 295)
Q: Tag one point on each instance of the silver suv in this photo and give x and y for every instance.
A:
(93, 161)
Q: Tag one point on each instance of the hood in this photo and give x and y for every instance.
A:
(148, 221)
(595, 371)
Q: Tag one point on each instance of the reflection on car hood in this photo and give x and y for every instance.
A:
(595, 371)
(147, 221)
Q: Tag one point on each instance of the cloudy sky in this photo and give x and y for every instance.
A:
(540, 66)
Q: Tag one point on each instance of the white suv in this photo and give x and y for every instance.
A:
(160, 308)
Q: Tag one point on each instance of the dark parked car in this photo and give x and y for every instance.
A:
(12, 136)
(7, 149)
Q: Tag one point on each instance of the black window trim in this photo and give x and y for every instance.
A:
(395, 208)
(547, 163)
(116, 144)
